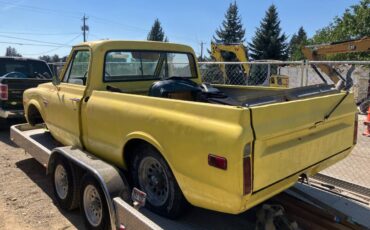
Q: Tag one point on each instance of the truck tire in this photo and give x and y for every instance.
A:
(65, 185)
(151, 174)
(93, 204)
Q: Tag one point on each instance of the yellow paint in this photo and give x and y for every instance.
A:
(287, 141)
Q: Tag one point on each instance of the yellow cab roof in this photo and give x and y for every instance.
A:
(105, 45)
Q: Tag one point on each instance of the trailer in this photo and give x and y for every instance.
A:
(38, 142)
(99, 187)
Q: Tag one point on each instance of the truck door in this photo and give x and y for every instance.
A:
(65, 100)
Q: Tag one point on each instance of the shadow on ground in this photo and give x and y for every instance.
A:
(4, 130)
(36, 172)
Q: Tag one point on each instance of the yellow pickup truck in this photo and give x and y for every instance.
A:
(141, 106)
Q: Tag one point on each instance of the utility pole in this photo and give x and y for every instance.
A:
(201, 49)
(84, 28)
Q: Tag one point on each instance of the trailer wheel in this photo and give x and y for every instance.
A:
(152, 175)
(65, 188)
(93, 204)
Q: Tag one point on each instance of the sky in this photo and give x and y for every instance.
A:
(41, 27)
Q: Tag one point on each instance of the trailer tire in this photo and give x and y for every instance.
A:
(65, 184)
(94, 207)
(151, 173)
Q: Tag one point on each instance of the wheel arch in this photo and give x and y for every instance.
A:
(34, 113)
(136, 139)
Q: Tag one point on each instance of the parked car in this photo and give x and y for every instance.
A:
(16, 75)
(141, 106)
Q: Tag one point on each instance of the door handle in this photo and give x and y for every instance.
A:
(75, 99)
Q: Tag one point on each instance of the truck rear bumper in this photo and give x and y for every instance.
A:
(11, 113)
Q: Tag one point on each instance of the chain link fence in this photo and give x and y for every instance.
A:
(296, 73)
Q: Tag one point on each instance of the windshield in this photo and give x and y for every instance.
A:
(147, 65)
(23, 68)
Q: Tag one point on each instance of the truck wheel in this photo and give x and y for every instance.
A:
(93, 204)
(152, 175)
(65, 188)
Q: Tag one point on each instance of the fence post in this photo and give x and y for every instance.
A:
(306, 72)
(302, 72)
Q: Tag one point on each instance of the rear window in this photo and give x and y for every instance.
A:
(24, 68)
(147, 65)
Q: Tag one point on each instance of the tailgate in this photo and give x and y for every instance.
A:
(288, 141)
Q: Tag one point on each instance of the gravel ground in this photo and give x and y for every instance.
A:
(26, 200)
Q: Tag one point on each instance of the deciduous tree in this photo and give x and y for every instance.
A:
(12, 52)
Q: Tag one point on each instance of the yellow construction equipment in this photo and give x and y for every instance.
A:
(317, 52)
(239, 50)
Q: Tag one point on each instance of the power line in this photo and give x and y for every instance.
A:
(32, 40)
(46, 10)
(95, 18)
(51, 50)
(27, 44)
(45, 34)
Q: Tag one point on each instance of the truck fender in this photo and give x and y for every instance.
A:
(112, 181)
(149, 139)
(35, 103)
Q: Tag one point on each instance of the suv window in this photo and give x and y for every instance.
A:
(24, 68)
(77, 71)
(147, 65)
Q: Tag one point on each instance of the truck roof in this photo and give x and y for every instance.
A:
(135, 45)
(21, 58)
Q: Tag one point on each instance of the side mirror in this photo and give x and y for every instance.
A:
(56, 80)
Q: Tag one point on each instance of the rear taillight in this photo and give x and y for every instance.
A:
(355, 130)
(217, 161)
(247, 170)
(3, 92)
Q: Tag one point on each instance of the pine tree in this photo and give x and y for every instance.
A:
(231, 30)
(156, 33)
(269, 42)
(296, 43)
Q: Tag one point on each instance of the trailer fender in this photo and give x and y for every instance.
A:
(111, 180)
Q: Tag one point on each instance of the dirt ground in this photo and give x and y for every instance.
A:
(26, 199)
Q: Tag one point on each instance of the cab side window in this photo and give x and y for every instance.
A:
(78, 68)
